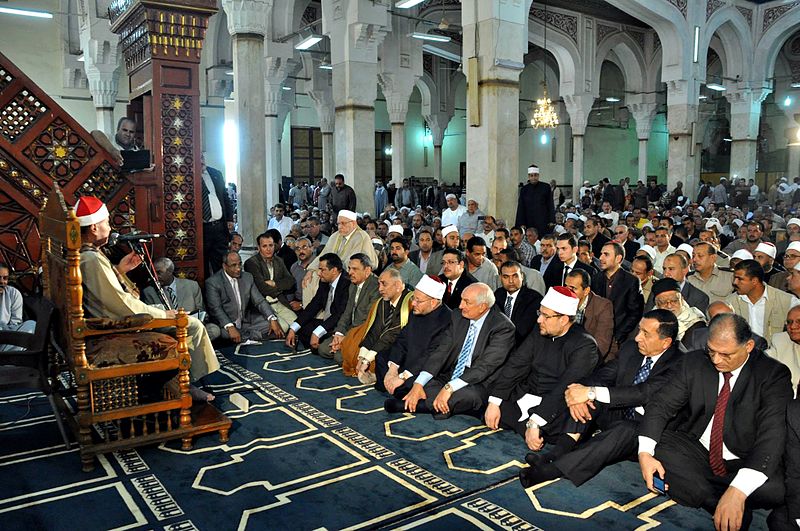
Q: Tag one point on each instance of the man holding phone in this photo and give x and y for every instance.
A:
(725, 452)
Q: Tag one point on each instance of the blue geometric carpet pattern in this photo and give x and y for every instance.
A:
(314, 450)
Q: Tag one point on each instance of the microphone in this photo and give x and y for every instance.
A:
(115, 238)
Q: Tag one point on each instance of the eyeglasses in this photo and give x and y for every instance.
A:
(790, 322)
(450, 262)
(666, 302)
(540, 314)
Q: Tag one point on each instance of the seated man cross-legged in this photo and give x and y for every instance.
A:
(236, 305)
(11, 307)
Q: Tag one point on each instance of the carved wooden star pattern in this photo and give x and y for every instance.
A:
(179, 198)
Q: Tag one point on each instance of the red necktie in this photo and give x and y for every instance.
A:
(448, 292)
(715, 446)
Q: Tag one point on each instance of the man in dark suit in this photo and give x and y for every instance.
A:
(272, 278)
(458, 374)
(612, 399)
(217, 217)
(528, 394)
(595, 313)
(621, 236)
(787, 516)
(567, 252)
(421, 336)
(517, 301)
(725, 453)
(331, 299)
(677, 267)
(535, 207)
(592, 232)
(622, 289)
(455, 276)
(362, 293)
(236, 305)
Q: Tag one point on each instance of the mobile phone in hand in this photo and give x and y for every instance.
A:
(659, 486)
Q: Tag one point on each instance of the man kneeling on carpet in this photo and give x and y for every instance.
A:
(421, 336)
(458, 375)
(387, 316)
(528, 396)
(107, 292)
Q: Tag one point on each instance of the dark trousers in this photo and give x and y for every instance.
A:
(692, 483)
(469, 400)
(510, 414)
(304, 334)
(215, 245)
(616, 443)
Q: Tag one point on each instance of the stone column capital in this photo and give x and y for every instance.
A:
(578, 107)
(247, 16)
(744, 98)
(643, 113)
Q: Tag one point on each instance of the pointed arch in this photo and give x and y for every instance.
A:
(631, 62)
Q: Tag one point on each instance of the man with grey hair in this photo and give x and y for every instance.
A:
(458, 375)
(11, 307)
(180, 292)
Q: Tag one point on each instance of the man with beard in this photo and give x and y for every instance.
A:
(342, 196)
(305, 253)
(692, 329)
(421, 257)
(451, 241)
(398, 254)
(707, 277)
(535, 207)
(478, 266)
(422, 335)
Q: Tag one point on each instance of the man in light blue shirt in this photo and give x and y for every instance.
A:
(11, 308)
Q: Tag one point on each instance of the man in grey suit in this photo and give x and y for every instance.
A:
(181, 293)
(237, 306)
(362, 293)
(458, 374)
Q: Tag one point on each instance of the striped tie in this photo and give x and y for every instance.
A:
(173, 298)
(507, 308)
(466, 350)
(641, 376)
(715, 458)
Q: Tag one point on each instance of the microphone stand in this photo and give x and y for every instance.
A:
(138, 248)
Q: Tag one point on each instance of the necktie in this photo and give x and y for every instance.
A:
(507, 308)
(641, 375)
(238, 302)
(355, 304)
(328, 303)
(447, 292)
(466, 350)
(173, 297)
(206, 203)
(566, 272)
(715, 445)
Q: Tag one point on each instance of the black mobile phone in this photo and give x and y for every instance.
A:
(659, 486)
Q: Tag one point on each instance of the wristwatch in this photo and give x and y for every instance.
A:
(448, 387)
(531, 424)
(591, 394)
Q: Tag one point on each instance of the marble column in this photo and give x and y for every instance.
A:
(745, 118)
(682, 98)
(101, 63)
(277, 69)
(247, 26)
(493, 100)
(643, 112)
(793, 169)
(356, 29)
(397, 105)
(322, 96)
(578, 107)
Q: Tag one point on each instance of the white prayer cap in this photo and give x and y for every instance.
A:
(377, 241)
(738, 222)
(573, 215)
(397, 229)
(794, 246)
(533, 169)
(793, 221)
(768, 248)
(687, 248)
(431, 286)
(650, 250)
(561, 300)
(583, 218)
(649, 225)
(448, 229)
(713, 222)
(450, 196)
(347, 214)
(742, 254)
(701, 208)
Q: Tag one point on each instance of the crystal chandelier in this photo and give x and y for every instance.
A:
(544, 115)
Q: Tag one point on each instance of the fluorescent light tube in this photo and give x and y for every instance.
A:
(308, 42)
(25, 12)
(715, 86)
(405, 4)
(430, 37)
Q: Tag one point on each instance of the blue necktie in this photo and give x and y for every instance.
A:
(466, 350)
(641, 376)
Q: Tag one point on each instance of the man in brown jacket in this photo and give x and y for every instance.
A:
(272, 279)
(595, 313)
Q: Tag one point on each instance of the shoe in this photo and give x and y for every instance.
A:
(394, 405)
(533, 458)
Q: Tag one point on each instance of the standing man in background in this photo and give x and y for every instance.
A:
(217, 218)
(535, 207)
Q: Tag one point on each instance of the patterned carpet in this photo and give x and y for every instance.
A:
(314, 450)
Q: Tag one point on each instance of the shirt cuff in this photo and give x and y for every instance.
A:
(392, 364)
(647, 445)
(602, 395)
(295, 327)
(748, 480)
(496, 401)
(405, 375)
(338, 334)
(423, 378)
(457, 384)
(538, 420)
(319, 332)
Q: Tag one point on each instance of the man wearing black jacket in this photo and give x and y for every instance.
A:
(788, 516)
(217, 217)
(725, 452)
(517, 301)
(613, 400)
(621, 288)
(331, 299)
(455, 277)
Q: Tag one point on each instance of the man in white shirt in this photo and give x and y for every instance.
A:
(663, 249)
(724, 453)
(11, 308)
(453, 211)
(279, 221)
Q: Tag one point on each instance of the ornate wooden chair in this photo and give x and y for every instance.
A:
(121, 369)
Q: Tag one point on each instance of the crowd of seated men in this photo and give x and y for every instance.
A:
(668, 334)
